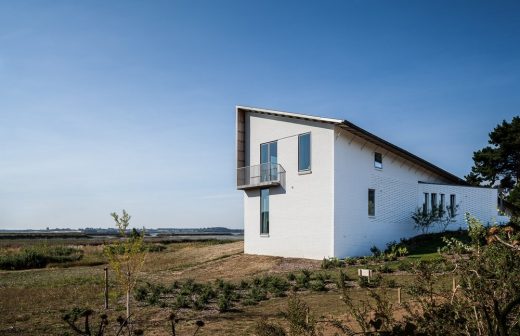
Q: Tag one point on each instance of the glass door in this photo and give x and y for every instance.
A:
(268, 161)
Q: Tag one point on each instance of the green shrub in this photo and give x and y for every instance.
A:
(302, 280)
(334, 262)
(244, 284)
(342, 279)
(390, 283)
(405, 266)
(375, 251)
(224, 303)
(384, 268)
(39, 257)
(155, 247)
(264, 328)
(141, 293)
(374, 281)
(181, 301)
(350, 261)
(291, 276)
(277, 285)
(317, 285)
(256, 294)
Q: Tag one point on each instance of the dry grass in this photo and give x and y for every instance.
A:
(33, 301)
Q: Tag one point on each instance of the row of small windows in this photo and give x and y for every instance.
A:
(429, 204)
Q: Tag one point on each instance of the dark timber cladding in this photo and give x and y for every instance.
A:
(344, 124)
(241, 143)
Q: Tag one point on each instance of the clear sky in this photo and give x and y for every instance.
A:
(106, 105)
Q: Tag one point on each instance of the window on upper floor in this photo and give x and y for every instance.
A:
(304, 152)
(371, 202)
(378, 160)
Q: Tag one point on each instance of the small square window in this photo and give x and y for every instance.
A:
(378, 160)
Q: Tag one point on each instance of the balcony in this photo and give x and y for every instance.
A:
(260, 176)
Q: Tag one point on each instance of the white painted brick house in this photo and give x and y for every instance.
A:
(318, 187)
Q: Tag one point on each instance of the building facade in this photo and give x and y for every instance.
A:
(319, 187)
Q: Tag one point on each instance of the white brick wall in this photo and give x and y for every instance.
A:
(301, 214)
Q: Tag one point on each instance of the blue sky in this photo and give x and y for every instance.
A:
(106, 105)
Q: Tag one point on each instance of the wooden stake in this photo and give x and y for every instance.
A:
(399, 295)
(454, 285)
(106, 287)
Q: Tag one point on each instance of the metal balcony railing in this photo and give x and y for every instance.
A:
(262, 175)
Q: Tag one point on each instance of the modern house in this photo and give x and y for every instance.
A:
(318, 187)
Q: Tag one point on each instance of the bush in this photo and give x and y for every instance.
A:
(244, 284)
(317, 285)
(256, 294)
(181, 301)
(155, 247)
(405, 266)
(350, 261)
(291, 277)
(141, 293)
(334, 262)
(224, 303)
(384, 268)
(39, 257)
(376, 252)
(264, 328)
(342, 279)
(390, 283)
(374, 281)
(302, 280)
(277, 285)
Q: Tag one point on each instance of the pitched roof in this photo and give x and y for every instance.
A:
(364, 134)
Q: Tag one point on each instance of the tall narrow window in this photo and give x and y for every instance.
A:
(378, 160)
(425, 204)
(264, 211)
(442, 206)
(434, 202)
(453, 205)
(304, 152)
(371, 202)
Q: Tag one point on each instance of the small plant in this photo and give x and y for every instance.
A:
(302, 280)
(291, 276)
(384, 268)
(372, 282)
(350, 261)
(224, 303)
(181, 301)
(317, 285)
(334, 262)
(264, 328)
(301, 321)
(390, 283)
(404, 266)
(376, 252)
(244, 284)
(342, 279)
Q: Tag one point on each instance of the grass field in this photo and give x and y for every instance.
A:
(33, 301)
